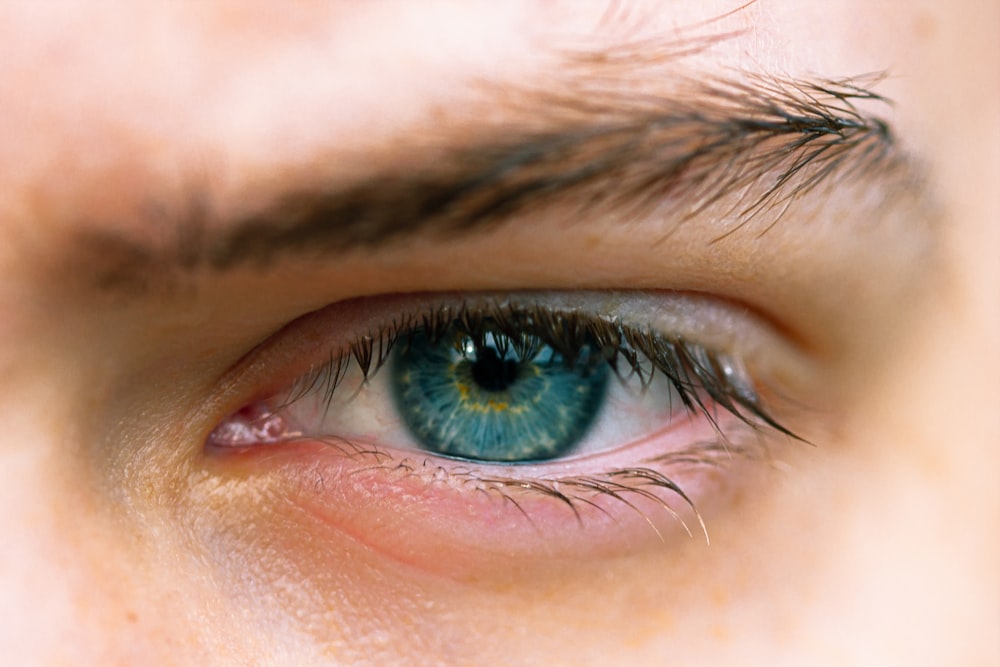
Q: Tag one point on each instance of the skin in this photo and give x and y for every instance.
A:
(125, 543)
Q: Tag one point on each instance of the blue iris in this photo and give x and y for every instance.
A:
(492, 400)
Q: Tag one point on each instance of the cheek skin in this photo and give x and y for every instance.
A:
(358, 602)
(321, 591)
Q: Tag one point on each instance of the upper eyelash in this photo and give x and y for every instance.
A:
(694, 371)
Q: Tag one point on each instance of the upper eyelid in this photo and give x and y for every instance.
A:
(711, 321)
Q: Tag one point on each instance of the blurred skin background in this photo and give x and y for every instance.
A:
(134, 135)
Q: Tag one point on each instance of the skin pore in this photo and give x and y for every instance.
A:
(145, 143)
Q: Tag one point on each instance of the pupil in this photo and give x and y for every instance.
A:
(491, 372)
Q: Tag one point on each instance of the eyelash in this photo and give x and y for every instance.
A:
(688, 366)
(703, 379)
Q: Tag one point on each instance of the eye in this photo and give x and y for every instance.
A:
(486, 394)
(531, 419)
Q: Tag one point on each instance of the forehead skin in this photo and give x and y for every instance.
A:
(106, 106)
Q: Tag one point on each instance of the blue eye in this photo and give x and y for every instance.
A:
(491, 398)
(500, 424)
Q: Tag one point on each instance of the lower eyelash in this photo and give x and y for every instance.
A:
(577, 492)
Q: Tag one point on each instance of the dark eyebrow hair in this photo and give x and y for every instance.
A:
(764, 139)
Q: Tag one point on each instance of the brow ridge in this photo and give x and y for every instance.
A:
(777, 138)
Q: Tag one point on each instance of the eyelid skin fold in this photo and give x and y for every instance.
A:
(410, 504)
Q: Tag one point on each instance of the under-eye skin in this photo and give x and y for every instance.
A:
(523, 403)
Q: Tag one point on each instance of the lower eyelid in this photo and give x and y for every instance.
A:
(410, 508)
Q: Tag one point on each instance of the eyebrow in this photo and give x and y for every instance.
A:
(761, 141)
